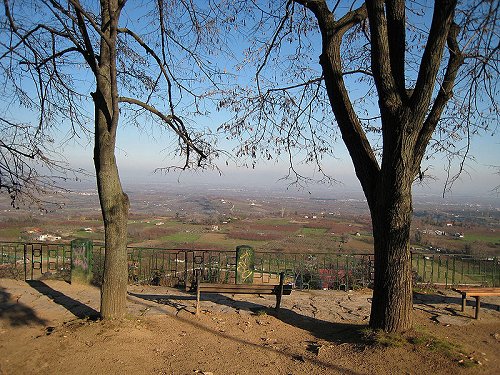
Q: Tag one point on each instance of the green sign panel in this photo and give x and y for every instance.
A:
(245, 264)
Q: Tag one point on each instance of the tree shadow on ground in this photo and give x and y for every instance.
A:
(16, 313)
(321, 329)
(336, 333)
(75, 307)
(166, 299)
(433, 300)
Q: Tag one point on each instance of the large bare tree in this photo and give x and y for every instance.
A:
(397, 80)
(98, 61)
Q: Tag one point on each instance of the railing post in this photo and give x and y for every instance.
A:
(432, 269)
(447, 270)
(186, 273)
(424, 275)
(24, 261)
(198, 277)
(453, 272)
(347, 274)
(496, 277)
(439, 269)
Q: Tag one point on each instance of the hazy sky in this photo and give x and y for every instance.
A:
(138, 156)
(140, 152)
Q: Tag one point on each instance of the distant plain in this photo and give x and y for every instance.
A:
(221, 219)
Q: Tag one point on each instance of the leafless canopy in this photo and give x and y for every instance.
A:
(286, 110)
(27, 172)
(49, 51)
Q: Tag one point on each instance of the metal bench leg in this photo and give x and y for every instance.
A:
(478, 305)
(280, 291)
(198, 294)
(464, 301)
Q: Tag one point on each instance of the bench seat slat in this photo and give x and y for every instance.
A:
(477, 293)
(472, 294)
(237, 286)
(244, 289)
(472, 290)
(278, 290)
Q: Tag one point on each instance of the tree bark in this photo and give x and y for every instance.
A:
(405, 131)
(391, 212)
(114, 206)
(114, 202)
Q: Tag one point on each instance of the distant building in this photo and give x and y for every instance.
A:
(48, 237)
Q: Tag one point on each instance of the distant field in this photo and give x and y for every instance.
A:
(308, 231)
(484, 237)
(224, 220)
(181, 238)
(10, 234)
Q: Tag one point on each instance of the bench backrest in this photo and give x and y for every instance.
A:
(244, 288)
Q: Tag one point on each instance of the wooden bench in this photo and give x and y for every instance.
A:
(477, 293)
(277, 289)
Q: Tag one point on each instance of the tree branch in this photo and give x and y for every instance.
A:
(429, 66)
(174, 122)
(90, 55)
(383, 75)
(56, 55)
(271, 45)
(396, 26)
(153, 54)
(311, 81)
(445, 93)
(360, 150)
(77, 6)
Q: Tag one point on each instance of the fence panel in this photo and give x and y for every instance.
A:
(449, 270)
(177, 267)
(12, 260)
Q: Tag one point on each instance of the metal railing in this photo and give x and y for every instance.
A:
(449, 270)
(35, 260)
(177, 267)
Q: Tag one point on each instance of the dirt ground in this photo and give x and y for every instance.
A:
(44, 329)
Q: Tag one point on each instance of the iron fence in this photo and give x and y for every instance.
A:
(177, 267)
(449, 270)
(33, 261)
(12, 260)
(315, 271)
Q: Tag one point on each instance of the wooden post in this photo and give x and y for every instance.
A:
(280, 291)
(198, 293)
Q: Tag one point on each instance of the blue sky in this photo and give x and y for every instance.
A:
(138, 154)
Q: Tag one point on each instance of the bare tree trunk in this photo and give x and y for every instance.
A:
(392, 292)
(114, 206)
(114, 202)
(392, 305)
